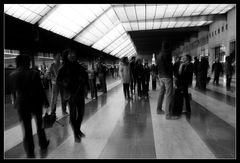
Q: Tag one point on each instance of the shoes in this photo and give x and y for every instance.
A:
(160, 111)
(45, 146)
(169, 117)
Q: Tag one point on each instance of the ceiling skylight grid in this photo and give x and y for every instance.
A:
(30, 13)
(104, 26)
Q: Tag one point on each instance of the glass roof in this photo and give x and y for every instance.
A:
(105, 26)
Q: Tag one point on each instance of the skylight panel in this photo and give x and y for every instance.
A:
(121, 13)
(140, 11)
(120, 47)
(26, 12)
(112, 17)
(190, 9)
(186, 23)
(109, 37)
(150, 10)
(124, 50)
(200, 9)
(160, 11)
(156, 24)
(170, 11)
(229, 7)
(149, 24)
(164, 24)
(219, 9)
(131, 14)
(193, 23)
(141, 25)
(209, 9)
(171, 24)
(134, 26)
(179, 24)
(127, 26)
(180, 10)
(200, 23)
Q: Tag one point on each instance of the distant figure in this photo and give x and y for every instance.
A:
(29, 100)
(140, 77)
(186, 73)
(92, 80)
(217, 69)
(146, 79)
(102, 71)
(124, 72)
(229, 72)
(52, 73)
(202, 72)
(165, 73)
(72, 77)
(195, 70)
(154, 73)
(133, 75)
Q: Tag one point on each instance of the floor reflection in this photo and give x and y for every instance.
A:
(216, 133)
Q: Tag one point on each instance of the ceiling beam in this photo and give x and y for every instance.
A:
(185, 18)
(47, 14)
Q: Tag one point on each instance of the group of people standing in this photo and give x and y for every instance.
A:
(133, 73)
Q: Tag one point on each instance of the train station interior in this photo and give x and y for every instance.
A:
(116, 127)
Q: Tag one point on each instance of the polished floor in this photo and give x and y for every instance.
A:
(116, 128)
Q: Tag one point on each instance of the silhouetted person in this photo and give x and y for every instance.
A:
(154, 73)
(92, 80)
(52, 73)
(29, 100)
(146, 79)
(202, 72)
(165, 73)
(72, 77)
(186, 73)
(195, 70)
(124, 72)
(133, 74)
(217, 69)
(101, 70)
(229, 72)
(140, 77)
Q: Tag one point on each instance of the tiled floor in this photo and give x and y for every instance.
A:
(117, 128)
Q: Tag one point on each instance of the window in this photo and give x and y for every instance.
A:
(222, 28)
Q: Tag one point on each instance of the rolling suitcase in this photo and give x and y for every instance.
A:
(177, 102)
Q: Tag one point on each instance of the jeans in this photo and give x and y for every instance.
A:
(25, 116)
(166, 87)
(55, 91)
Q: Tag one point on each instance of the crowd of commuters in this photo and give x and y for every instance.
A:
(72, 81)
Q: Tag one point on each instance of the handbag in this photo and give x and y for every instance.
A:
(48, 120)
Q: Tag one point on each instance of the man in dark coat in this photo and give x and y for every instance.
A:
(186, 73)
(29, 100)
(217, 69)
(72, 77)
